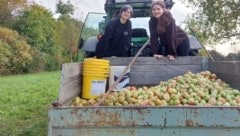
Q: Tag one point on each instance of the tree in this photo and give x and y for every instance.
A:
(9, 8)
(39, 27)
(215, 19)
(64, 9)
(69, 29)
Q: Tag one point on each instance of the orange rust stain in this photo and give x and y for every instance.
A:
(108, 118)
(189, 123)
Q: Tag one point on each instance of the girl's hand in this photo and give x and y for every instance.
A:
(160, 57)
(170, 57)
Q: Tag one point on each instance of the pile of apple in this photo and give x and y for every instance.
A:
(200, 89)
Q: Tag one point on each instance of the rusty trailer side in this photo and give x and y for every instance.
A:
(145, 121)
(141, 121)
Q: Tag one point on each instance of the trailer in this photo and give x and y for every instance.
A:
(65, 120)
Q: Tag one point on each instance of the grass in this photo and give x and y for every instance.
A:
(24, 103)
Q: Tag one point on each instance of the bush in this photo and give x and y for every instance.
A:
(40, 29)
(38, 62)
(14, 52)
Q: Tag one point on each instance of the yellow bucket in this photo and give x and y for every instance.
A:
(94, 65)
(93, 85)
(93, 60)
(95, 73)
(95, 68)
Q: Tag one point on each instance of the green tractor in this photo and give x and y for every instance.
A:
(95, 23)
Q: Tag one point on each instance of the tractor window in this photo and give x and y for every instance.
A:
(93, 25)
(140, 23)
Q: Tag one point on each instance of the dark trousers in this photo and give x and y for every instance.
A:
(183, 49)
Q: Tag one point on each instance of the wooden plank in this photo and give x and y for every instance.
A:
(71, 69)
(70, 82)
(205, 64)
(148, 78)
(70, 87)
(154, 78)
(228, 68)
(231, 67)
(150, 71)
(227, 71)
(230, 79)
(193, 60)
(165, 68)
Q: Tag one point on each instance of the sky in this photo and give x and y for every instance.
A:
(82, 7)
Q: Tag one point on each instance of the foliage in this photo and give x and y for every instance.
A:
(64, 8)
(202, 52)
(215, 19)
(24, 107)
(88, 32)
(216, 56)
(230, 57)
(38, 63)
(37, 24)
(14, 52)
(8, 8)
(69, 28)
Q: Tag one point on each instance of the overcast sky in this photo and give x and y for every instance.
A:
(82, 7)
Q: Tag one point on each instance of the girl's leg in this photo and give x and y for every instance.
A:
(183, 49)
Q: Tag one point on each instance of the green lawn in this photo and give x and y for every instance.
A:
(24, 103)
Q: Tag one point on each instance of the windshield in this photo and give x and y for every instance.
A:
(93, 25)
(140, 23)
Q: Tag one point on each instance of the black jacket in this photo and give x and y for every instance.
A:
(116, 39)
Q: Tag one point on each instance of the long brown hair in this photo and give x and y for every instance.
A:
(164, 19)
